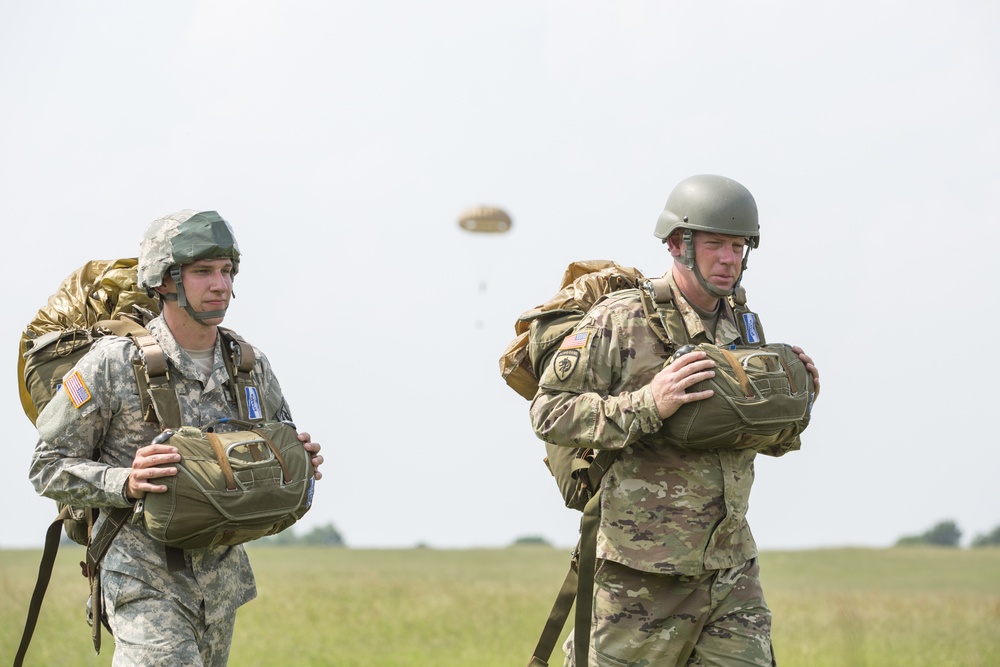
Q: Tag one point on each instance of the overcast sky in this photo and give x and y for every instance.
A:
(343, 139)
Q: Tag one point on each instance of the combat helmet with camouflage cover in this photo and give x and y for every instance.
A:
(714, 204)
(181, 238)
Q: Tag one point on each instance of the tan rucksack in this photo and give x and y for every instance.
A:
(541, 329)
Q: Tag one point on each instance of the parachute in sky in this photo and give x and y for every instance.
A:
(489, 219)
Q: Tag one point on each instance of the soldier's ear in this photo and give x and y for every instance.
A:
(675, 244)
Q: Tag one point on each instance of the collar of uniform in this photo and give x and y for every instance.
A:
(181, 361)
(726, 331)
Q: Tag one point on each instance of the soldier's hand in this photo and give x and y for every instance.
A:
(313, 448)
(810, 366)
(144, 470)
(670, 385)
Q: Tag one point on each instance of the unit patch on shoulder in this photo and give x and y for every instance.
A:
(76, 389)
(575, 341)
(565, 363)
(253, 404)
(750, 324)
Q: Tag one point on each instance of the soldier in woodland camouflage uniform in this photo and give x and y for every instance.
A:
(158, 616)
(677, 576)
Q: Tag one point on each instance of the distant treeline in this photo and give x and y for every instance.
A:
(948, 534)
(324, 536)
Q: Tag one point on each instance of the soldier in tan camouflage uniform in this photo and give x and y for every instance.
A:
(677, 577)
(158, 616)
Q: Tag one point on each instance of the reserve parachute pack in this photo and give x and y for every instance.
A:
(231, 486)
(762, 400)
(203, 507)
(762, 392)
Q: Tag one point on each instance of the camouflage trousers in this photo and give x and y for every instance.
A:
(153, 629)
(642, 619)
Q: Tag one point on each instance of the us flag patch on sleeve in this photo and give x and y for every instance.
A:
(575, 341)
(76, 389)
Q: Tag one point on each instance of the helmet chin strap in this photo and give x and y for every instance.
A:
(181, 299)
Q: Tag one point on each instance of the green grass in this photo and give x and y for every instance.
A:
(419, 607)
(877, 608)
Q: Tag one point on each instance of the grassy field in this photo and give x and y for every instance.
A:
(484, 608)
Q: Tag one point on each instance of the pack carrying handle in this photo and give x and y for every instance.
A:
(222, 460)
(744, 379)
(741, 374)
(220, 453)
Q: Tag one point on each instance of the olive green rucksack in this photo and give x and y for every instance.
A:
(762, 400)
(97, 299)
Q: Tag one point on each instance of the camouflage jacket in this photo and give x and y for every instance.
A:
(111, 421)
(664, 509)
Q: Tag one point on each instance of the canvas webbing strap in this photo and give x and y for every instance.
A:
(52, 536)
(661, 314)
(579, 582)
(101, 540)
(579, 586)
(585, 586)
(557, 619)
(99, 545)
(159, 405)
(239, 363)
(96, 611)
(153, 378)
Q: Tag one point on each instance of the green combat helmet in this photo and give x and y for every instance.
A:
(714, 204)
(181, 238)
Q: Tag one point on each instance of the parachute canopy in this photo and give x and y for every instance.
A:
(484, 219)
